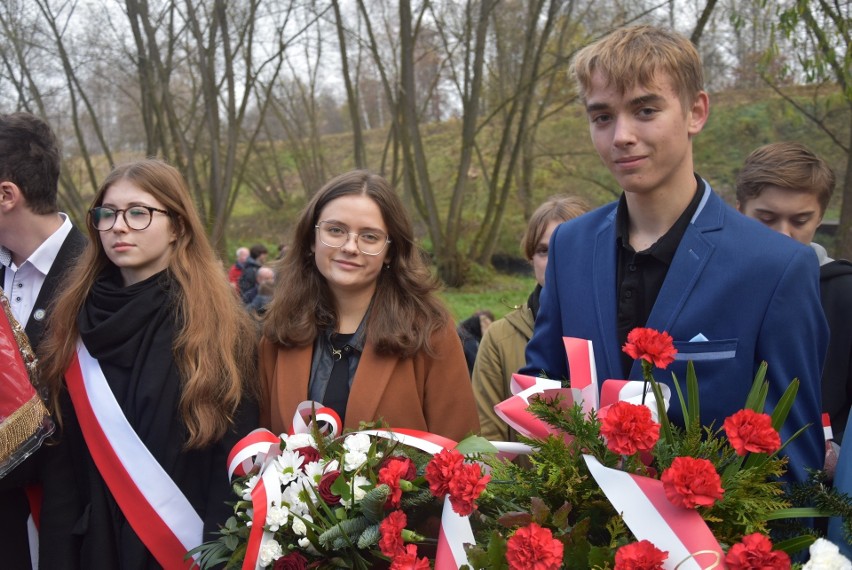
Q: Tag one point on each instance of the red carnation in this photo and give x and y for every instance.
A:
(324, 488)
(533, 548)
(654, 346)
(406, 559)
(629, 428)
(755, 553)
(466, 486)
(391, 530)
(394, 470)
(749, 431)
(292, 561)
(691, 482)
(407, 469)
(642, 555)
(310, 454)
(441, 469)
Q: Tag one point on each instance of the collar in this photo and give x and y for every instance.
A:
(665, 247)
(42, 258)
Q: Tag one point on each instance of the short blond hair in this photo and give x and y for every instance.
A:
(635, 55)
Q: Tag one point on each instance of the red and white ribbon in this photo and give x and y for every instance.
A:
(650, 516)
(826, 427)
(153, 504)
(514, 410)
(309, 412)
(584, 374)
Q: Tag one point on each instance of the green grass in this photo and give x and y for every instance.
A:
(500, 295)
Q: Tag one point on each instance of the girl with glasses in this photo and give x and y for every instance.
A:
(150, 362)
(354, 323)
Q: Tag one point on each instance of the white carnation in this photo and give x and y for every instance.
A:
(298, 440)
(358, 490)
(269, 553)
(299, 527)
(277, 517)
(826, 556)
(306, 545)
(353, 460)
(357, 443)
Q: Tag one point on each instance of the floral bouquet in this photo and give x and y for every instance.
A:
(620, 487)
(365, 499)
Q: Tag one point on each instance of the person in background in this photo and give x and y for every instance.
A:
(257, 258)
(501, 352)
(672, 256)
(264, 275)
(37, 246)
(470, 332)
(355, 323)
(168, 372)
(787, 187)
(263, 290)
(236, 270)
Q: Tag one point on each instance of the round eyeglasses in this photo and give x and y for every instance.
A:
(335, 235)
(135, 217)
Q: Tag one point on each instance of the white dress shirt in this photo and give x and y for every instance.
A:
(23, 284)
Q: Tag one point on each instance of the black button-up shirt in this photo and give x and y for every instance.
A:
(640, 274)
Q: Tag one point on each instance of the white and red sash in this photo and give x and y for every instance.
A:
(153, 504)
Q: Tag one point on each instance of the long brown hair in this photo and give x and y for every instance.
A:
(215, 345)
(405, 311)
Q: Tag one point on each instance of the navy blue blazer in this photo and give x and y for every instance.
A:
(752, 293)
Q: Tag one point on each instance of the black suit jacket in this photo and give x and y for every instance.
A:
(14, 507)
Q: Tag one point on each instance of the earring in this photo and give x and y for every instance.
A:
(387, 266)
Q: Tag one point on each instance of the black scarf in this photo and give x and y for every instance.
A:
(533, 301)
(130, 330)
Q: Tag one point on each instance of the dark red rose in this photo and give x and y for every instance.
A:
(629, 428)
(441, 469)
(324, 488)
(466, 486)
(691, 482)
(391, 530)
(292, 561)
(310, 454)
(534, 548)
(654, 346)
(749, 431)
(755, 553)
(641, 555)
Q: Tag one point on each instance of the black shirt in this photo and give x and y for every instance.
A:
(640, 275)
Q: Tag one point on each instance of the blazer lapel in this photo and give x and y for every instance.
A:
(371, 380)
(68, 253)
(603, 276)
(690, 259)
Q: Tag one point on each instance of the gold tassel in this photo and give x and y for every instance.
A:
(20, 426)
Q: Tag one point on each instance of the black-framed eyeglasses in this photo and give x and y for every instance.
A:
(135, 217)
(370, 242)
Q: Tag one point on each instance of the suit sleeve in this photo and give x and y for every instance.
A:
(546, 351)
(793, 340)
(448, 403)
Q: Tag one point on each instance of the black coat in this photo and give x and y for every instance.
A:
(835, 282)
(14, 506)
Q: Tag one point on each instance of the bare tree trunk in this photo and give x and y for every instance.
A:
(354, 104)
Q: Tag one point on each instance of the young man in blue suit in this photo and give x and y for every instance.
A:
(670, 255)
